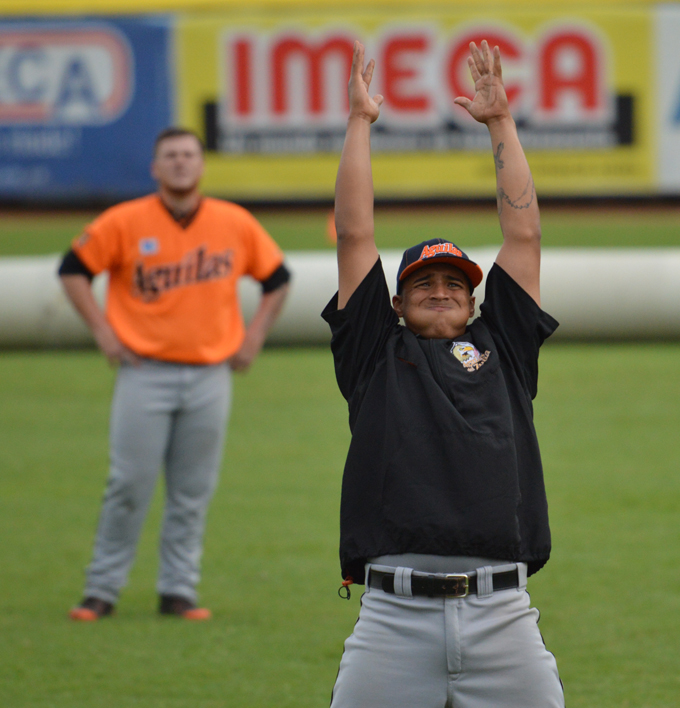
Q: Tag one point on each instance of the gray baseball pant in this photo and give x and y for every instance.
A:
(170, 416)
(422, 652)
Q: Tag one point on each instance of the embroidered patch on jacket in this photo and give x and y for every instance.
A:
(149, 246)
(468, 355)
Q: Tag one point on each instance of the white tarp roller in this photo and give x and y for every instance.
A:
(594, 294)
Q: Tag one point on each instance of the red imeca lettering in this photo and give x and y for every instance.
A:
(398, 70)
(569, 63)
(314, 56)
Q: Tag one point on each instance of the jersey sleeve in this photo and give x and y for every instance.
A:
(99, 246)
(264, 254)
(360, 329)
(72, 265)
(515, 318)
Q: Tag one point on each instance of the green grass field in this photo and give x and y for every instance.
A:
(607, 417)
(610, 597)
(32, 234)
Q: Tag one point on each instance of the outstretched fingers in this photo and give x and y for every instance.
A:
(474, 71)
(358, 60)
(497, 69)
(489, 102)
(488, 57)
(360, 102)
(368, 74)
(485, 60)
(477, 58)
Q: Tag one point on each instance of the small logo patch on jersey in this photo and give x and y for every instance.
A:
(468, 355)
(149, 246)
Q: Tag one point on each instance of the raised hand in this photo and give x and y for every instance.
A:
(361, 105)
(490, 102)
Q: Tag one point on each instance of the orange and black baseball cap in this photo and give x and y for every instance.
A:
(436, 250)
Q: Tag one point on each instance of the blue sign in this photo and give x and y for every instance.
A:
(81, 102)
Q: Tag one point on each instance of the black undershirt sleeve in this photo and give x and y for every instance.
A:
(278, 278)
(72, 265)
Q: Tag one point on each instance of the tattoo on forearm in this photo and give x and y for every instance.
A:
(524, 201)
(497, 157)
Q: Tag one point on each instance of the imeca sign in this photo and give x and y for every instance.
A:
(292, 79)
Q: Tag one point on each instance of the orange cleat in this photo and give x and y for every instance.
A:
(197, 614)
(91, 609)
(182, 607)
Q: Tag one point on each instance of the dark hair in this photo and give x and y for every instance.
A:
(174, 132)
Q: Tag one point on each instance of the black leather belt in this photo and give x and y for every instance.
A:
(441, 584)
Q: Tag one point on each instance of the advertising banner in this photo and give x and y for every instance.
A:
(269, 93)
(668, 91)
(80, 104)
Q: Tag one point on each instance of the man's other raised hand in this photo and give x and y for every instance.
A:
(490, 102)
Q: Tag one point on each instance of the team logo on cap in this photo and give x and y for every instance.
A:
(439, 248)
(468, 355)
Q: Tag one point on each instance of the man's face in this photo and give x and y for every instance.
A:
(435, 302)
(178, 164)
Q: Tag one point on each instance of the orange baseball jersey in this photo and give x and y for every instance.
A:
(172, 291)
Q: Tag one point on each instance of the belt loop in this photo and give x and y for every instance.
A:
(367, 573)
(402, 582)
(485, 581)
(522, 569)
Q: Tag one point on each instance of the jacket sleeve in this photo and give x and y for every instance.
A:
(360, 329)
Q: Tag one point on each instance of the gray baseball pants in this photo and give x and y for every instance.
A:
(170, 416)
(472, 652)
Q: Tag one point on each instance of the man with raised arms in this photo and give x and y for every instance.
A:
(443, 513)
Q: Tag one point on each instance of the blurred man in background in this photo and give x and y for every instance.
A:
(174, 327)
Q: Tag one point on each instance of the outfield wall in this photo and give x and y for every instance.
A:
(595, 294)
(594, 87)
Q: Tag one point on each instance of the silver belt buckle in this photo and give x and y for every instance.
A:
(461, 585)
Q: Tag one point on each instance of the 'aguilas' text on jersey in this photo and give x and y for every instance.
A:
(197, 266)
